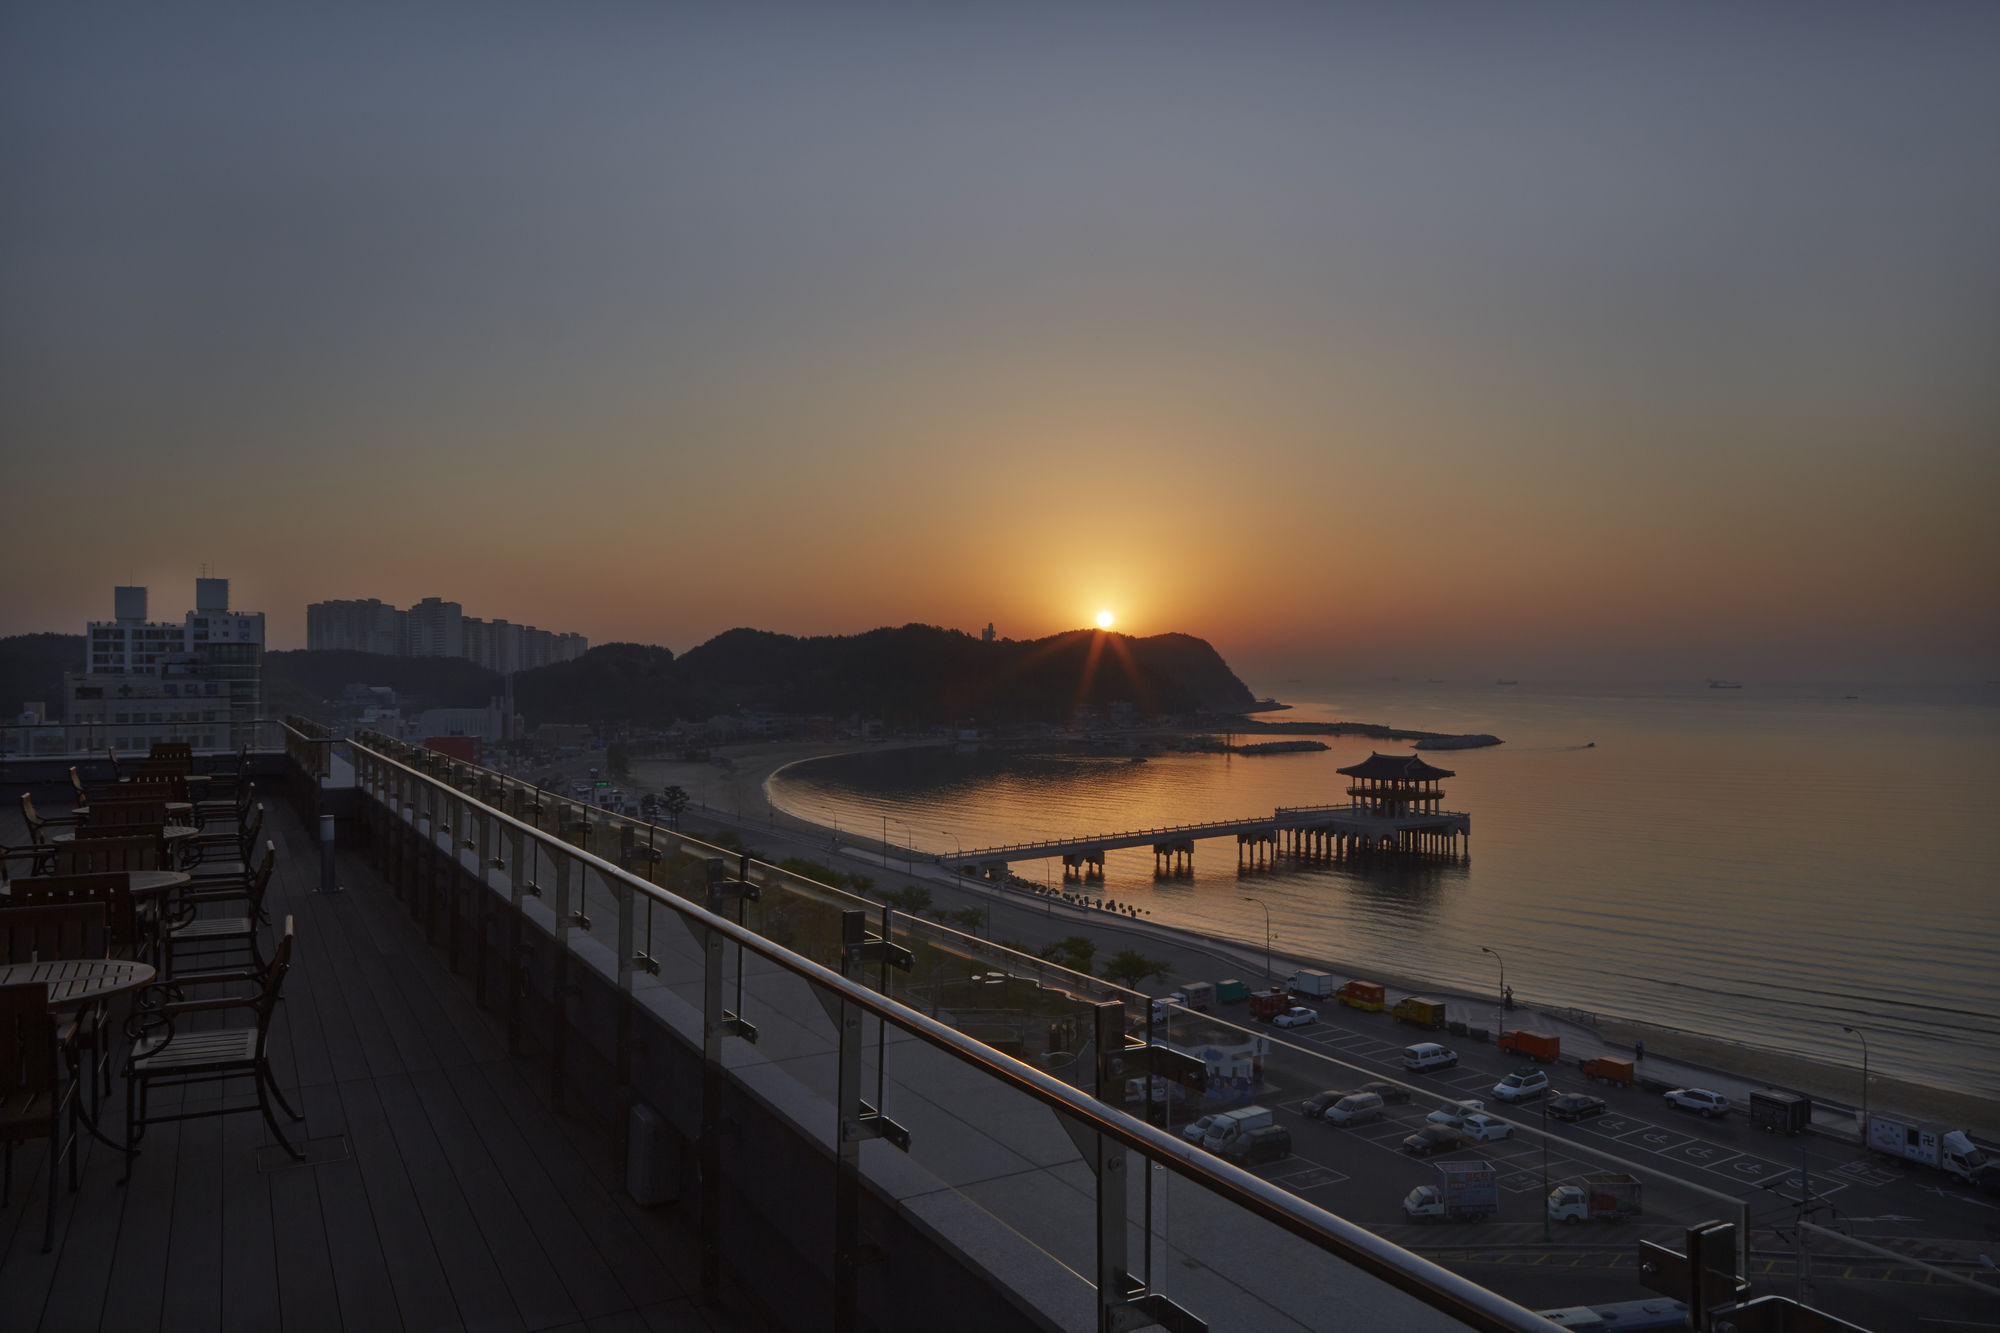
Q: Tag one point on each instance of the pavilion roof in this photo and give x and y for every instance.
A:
(1406, 767)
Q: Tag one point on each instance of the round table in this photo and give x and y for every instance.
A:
(172, 808)
(168, 832)
(76, 982)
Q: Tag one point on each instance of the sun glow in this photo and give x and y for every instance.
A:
(1104, 620)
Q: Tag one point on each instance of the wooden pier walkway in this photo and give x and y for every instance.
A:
(1305, 830)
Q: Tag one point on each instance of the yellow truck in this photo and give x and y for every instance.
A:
(1415, 1009)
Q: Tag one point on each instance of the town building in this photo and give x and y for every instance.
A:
(436, 628)
(145, 681)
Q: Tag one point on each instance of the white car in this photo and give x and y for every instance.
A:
(1484, 1128)
(1710, 1104)
(1520, 1087)
(1197, 1130)
(1296, 1017)
(1452, 1113)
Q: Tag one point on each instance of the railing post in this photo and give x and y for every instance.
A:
(710, 1145)
(1112, 1267)
(628, 946)
(520, 874)
(480, 914)
(558, 1038)
(847, 1174)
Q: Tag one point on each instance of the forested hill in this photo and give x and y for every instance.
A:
(917, 675)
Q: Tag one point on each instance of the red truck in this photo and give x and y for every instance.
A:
(1367, 995)
(1543, 1046)
(1266, 1005)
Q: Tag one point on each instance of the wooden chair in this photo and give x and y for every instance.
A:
(201, 934)
(39, 824)
(113, 890)
(36, 1090)
(166, 1056)
(179, 752)
(160, 768)
(64, 930)
(237, 845)
(228, 809)
(96, 850)
(60, 930)
(127, 814)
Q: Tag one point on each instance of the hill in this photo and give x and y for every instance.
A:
(916, 675)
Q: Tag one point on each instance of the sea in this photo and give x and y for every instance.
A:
(1768, 864)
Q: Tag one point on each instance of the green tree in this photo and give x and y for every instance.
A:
(1129, 967)
(912, 899)
(967, 919)
(1074, 952)
(673, 800)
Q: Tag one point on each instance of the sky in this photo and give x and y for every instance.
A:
(1566, 341)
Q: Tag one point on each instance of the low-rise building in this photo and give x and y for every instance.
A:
(145, 681)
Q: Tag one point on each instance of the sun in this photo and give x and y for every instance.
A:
(1104, 619)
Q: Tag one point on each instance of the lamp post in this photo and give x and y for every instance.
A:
(1545, 1168)
(1267, 933)
(1500, 1015)
(1864, 1079)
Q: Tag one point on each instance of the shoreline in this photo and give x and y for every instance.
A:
(1832, 1084)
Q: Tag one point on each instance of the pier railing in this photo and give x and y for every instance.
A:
(779, 1028)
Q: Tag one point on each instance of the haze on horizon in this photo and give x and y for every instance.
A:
(1554, 340)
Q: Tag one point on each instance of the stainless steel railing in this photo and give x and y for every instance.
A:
(457, 809)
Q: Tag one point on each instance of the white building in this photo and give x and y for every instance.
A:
(436, 628)
(145, 681)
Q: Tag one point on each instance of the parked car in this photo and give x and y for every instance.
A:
(1522, 1086)
(1395, 1094)
(1316, 1104)
(1197, 1130)
(1272, 1143)
(1575, 1106)
(1453, 1112)
(1711, 1104)
(1296, 1017)
(1358, 1109)
(1483, 1128)
(1428, 1055)
(1432, 1140)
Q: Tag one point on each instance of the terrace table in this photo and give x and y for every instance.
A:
(168, 832)
(76, 982)
(172, 808)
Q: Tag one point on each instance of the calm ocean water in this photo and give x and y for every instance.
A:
(1766, 863)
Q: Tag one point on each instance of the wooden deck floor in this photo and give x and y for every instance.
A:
(439, 1191)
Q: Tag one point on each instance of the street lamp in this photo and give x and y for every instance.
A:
(1864, 1079)
(1267, 934)
(1500, 1017)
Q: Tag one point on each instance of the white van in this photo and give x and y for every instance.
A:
(1358, 1109)
(1230, 1127)
(1428, 1055)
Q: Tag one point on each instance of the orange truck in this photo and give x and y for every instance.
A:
(1363, 995)
(1609, 1069)
(1543, 1046)
(1416, 1009)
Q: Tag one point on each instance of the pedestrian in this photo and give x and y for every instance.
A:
(1638, 1050)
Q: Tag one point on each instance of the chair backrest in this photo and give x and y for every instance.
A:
(246, 837)
(155, 787)
(33, 818)
(94, 852)
(111, 753)
(27, 1041)
(65, 930)
(176, 751)
(260, 877)
(274, 985)
(127, 814)
(162, 768)
(76, 785)
(113, 890)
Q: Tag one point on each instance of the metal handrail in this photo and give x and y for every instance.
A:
(1390, 1263)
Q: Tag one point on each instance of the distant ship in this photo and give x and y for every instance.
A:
(1506, 682)
(1724, 685)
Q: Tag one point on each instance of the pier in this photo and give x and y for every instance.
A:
(1392, 810)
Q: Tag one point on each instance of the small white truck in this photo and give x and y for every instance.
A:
(1467, 1191)
(1316, 984)
(1606, 1196)
(1951, 1151)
